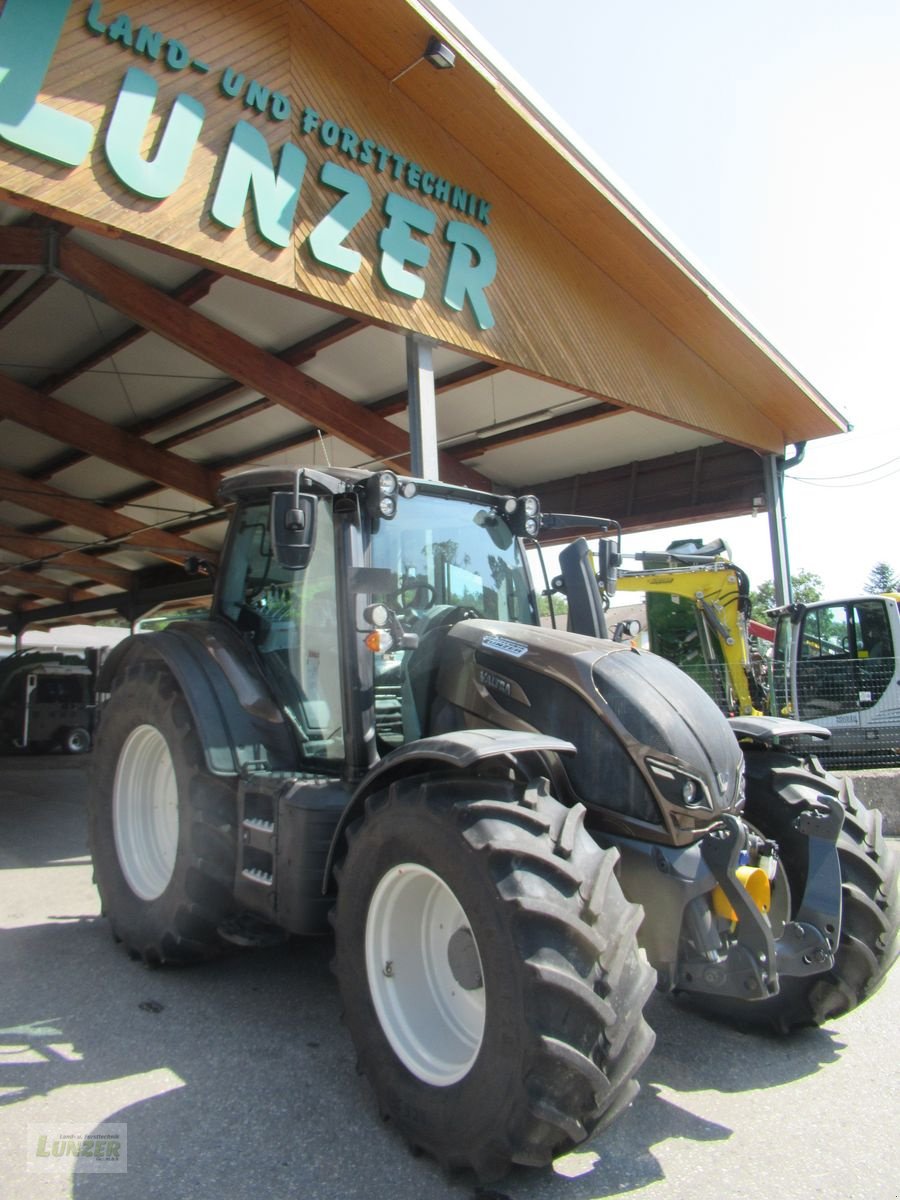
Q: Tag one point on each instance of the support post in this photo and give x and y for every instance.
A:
(422, 408)
(773, 474)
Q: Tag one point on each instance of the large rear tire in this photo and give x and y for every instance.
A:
(162, 829)
(779, 786)
(489, 971)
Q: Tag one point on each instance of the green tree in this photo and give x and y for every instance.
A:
(560, 604)
(882, 578)
(807, 587)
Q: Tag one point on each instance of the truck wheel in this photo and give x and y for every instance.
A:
(162, 829)
(489, 971)
(777, 785)
(76, 740)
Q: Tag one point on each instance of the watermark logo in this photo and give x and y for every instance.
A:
(78, 1148)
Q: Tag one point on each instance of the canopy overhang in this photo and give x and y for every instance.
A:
(157, 332)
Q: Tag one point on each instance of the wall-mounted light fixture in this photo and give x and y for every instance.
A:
(438, 53)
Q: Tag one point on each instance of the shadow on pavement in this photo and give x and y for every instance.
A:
(236, 1078)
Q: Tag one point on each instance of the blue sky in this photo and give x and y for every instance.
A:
(763, 139)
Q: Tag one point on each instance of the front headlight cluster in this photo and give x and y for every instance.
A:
(523, 515)
(680, 788)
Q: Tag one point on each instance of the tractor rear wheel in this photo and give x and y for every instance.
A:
(489, 971)
(162, 829)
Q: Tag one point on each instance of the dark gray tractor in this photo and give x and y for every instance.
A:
(516, 832)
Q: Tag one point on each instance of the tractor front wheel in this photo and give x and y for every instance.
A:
(489, 971)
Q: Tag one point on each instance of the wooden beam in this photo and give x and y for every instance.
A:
(190, 292)
(26, 298)
(71, 425)
(22, 247)
(40, 585)
(43, 550)
(85, 514)
(299, 352)
(315, 402)
(532, 429)
(661, 492)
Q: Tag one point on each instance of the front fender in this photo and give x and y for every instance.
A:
(460, 750)
(773, 731)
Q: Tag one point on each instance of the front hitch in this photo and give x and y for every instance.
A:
(754, 959)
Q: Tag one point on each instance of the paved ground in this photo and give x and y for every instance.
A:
(236, 1080)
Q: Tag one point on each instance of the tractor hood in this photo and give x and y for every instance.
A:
(652, 746)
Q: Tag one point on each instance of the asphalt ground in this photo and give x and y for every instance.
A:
(236, 1079)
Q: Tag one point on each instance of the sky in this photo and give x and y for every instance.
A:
(762, 139)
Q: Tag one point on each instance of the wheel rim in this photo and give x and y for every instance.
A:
(145, 812)
(425, 974)
(77, 741)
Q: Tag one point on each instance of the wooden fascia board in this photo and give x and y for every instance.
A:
(561, 183)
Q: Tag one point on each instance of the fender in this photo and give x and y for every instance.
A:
(460, 750)
(237, 719)
(772, 731)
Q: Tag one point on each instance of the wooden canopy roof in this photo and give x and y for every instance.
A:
(146, 350)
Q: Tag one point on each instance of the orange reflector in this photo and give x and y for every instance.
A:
(379, 641)
(756, 883)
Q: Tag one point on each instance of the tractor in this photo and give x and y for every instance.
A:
(516, 833)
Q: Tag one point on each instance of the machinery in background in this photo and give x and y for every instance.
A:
(47, 701)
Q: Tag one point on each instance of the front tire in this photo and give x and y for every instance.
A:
(162, 829)
(489, 971)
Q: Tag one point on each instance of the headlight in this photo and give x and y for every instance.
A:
(381, 490)
(680, 788)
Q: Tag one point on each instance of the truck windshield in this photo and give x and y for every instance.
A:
(451, 552)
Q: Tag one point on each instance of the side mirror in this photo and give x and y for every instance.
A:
(292, 527)
(609, 559)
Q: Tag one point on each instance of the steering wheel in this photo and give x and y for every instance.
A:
(421, 593)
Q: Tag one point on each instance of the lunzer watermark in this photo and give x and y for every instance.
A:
(75, 1147)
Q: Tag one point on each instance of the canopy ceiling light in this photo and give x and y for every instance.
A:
(438, 53)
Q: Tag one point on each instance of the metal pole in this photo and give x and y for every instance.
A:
(773, 474)
(422, 408)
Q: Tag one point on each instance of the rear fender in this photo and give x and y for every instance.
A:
(238, 721)
(462, 750)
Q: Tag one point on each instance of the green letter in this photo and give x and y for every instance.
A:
(467, 274)
(92, 19)
(326, 242)
(248, 165)
(161, 175)
(120, 30)
(398, 246)
(29, 35)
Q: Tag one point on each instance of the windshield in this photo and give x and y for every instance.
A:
(450, 552)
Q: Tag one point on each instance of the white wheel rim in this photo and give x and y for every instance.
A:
(145, 812)
(425, 974)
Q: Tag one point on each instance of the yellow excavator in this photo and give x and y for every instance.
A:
(698, 616)
(833, 663)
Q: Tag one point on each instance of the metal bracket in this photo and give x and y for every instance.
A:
(821, 903)
(749, 969)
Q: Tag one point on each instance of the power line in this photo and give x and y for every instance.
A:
(830, 481)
